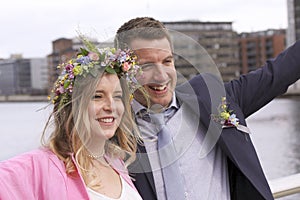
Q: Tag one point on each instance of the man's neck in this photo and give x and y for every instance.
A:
(137, 106)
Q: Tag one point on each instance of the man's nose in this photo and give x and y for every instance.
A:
(160, 73)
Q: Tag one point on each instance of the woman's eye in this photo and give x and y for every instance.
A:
(97, 96)
(118, 97)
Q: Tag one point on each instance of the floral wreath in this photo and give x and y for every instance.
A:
(120, 62)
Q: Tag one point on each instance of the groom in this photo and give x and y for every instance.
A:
(215, 158)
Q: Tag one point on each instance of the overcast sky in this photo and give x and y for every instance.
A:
(29, 26)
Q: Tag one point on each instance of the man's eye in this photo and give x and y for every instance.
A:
(147, 66)
(169, 61)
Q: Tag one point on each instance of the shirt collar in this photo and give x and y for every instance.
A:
(137, 107)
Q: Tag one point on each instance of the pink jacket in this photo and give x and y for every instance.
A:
(39, 174)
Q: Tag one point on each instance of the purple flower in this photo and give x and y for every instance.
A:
(84, 60)
(69, 67)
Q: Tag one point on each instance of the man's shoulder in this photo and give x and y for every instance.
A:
(203, 81)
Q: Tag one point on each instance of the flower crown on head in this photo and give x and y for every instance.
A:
(120, 62)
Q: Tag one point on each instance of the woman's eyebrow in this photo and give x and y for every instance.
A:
(118, 91)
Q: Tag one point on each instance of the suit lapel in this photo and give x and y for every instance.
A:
(141, 171)
(234, 143)
(198, 101)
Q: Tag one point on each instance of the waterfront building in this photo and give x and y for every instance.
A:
(257, 47)
(217, 39)
(62, 50)
(293, 30)
(39, 76)
(293, 33)
(19, 76)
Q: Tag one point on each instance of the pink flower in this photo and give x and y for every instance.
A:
(126, 66)
(93, 56)
(61, 89)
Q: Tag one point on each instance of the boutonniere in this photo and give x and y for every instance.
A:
(227, 118)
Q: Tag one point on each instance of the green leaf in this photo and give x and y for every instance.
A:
(117, 70)
(110, 70)
(66, 84)
(84, 52)
(102, 57)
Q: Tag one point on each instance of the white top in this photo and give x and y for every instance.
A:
(128, 193)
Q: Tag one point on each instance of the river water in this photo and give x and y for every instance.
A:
(275, 133)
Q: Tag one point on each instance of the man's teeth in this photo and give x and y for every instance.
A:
(159, 87)
(106, 120)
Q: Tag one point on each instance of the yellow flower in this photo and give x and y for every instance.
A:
(224, 107)
(77, 70)
(225, 115)
(130, 98)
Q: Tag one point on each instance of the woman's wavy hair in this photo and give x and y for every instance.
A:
(72, 130)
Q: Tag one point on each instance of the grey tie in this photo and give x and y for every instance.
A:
(168, 160)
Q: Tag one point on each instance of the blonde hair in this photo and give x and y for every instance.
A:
(72, 130)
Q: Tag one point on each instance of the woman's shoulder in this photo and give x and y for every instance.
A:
(37, 173)
(36, 154)
(37, 159)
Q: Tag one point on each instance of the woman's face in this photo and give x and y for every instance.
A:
(106, 107)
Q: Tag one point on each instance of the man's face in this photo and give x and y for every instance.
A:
(159, 74)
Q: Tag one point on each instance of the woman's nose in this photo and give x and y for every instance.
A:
(108, 104)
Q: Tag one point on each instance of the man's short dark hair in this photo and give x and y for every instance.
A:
(140, 28)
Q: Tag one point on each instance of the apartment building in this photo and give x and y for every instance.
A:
(257, 47)
(293, 30)
(211, 46)
(20, 76)
(293, 33)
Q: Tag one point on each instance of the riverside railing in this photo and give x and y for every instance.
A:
(285, 186)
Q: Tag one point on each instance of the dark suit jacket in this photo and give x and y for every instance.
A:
(245, 96)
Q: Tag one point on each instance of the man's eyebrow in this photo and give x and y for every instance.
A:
(168, 57)
(149, 62)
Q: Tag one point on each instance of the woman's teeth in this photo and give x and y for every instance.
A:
(106, 120)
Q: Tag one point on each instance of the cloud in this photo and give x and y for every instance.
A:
(29, 27)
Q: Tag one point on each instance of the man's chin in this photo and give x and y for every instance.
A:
(164, 102)
(151, 98)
